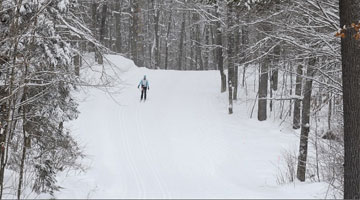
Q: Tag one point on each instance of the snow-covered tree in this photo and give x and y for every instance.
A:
(40, 42)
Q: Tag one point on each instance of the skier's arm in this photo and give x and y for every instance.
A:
(139, 84)
(148, 85)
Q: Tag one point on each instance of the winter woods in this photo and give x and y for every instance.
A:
(40, 63)
(290, 45)
(304, 74)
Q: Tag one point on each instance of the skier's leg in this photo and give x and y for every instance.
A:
(142, 94)
(145, 93)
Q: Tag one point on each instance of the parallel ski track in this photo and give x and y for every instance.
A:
(148, 156)
(126, 147)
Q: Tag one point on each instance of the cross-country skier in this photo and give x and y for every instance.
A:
(144, 87)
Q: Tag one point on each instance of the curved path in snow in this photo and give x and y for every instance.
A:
(180, 143)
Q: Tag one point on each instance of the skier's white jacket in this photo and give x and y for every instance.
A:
(144, 83)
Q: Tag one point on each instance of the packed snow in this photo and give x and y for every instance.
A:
(180, 143)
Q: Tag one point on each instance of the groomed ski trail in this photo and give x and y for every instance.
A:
(180, 143)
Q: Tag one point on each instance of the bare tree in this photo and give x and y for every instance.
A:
(118, 30)
(219, 51)
(305, 122)
(181, 44)
(231, 54)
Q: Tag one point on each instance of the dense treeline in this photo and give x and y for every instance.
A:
(158, 34)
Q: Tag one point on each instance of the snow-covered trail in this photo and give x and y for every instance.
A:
(180, 143)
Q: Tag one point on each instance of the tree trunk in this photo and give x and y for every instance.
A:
(118, 42)
(350, 51)
(181, 44)
(230, 52)
(134, 31)
(275, 69)
(297, 105)
(191, 42)
(22, 164)
(207, 43)
(157, 42)
(219, 53)
(149, 31)
(109, 29)
(263, 89)
(77, 64)
(236, 81)
(198, 57)
(102, 31)
(236, 56)
(330, 111)
(305, 122)
(94, 6)
(213, 51)
(167, 41)
(264, 78)
(25, 138)
(244, 46)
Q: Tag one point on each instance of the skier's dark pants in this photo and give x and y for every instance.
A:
(143, 93)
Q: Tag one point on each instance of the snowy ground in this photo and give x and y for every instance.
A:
(180, 143)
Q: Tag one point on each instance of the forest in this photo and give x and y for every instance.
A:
(300, 59)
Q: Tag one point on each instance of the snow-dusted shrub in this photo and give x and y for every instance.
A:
(287, 169)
